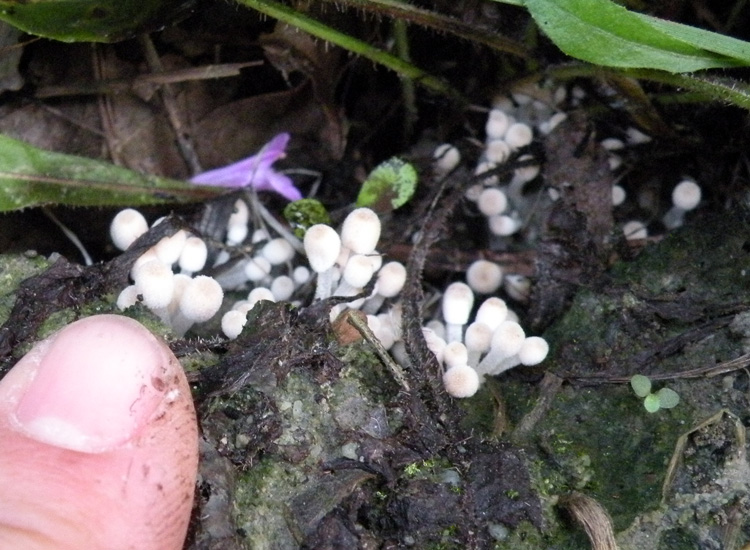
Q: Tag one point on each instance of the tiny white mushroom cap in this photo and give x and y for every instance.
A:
(686, 195)
(358, 271)
(322, 246)
(282, 288)
(260, 293)
(155, 284)
(492, 312)
(519, 135)
(477, 340)
(236, 233)
(458, 300)
(533, 351)
(492, 201)
(483, 167)
(635, 229)
(497, 124)
(257, 268)
(193, 256)
(455, 354)
(438, 327)
(497, 151)
(232, 323)
(503, 225)
(484, 277)
(618, 195)
(391, 279)
(507, 338)
(259, 235)
(612, 144)
(240, 215)
(360, 231)
(201, 299)
(126, 227)
(128, 297)
(278, 251)
(168, 249)
(461, 381)
(435, 343)
(446, 158)
(301, 275)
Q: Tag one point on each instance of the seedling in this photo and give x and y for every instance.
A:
(665, 398)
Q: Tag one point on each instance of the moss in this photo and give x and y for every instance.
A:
(14, 268)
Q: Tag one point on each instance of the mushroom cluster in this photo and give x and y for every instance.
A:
(163, 276)
(490, 344)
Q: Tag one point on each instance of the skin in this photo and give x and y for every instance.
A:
(99, 442)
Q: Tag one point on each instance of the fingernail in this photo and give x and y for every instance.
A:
(92, 386)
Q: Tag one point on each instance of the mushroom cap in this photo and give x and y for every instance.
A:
(458, 299)
(232, 323)
(497, 124)
(322, 246)
(455, 354)
(201, 299)
(360, 231)
(391, 279)
(257, 268)
(497, 151)
(484, 277)
(282, 288)
(478, 337)
(278, 251)
(686, 195)
(461, 381)
(358, 270)
(126, 227)
(193, 256)
(492, 201)
(155, 284)
(519, 135)
(446, 158)
(507, 339)
(492, 312)
(533, 351)
(168, 249)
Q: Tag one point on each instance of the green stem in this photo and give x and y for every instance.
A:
(316, 28)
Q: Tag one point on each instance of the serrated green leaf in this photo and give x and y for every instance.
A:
(641, 385)
(389, 186)
(35, 177)
(604, 33)
(668, 398)
(652, 403)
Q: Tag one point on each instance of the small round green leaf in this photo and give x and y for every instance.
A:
(668, 398)
(652, 403)
(389, 186)
(641, 385)
(305, 213)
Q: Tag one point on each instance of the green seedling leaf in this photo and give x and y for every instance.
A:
(92, 20)
(641, 385)
(604, 33)
(304, 213)
(35, 177)
(652, 403)
(668, 398)
(389, 186)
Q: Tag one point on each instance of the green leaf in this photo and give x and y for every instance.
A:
(389, 186)
(92, 20)
(305, 213)
(34, 177)
(652, 403)
(641, 385)
(604, 33)
(668, 398)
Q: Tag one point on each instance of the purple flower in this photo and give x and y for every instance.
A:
(255, 171)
